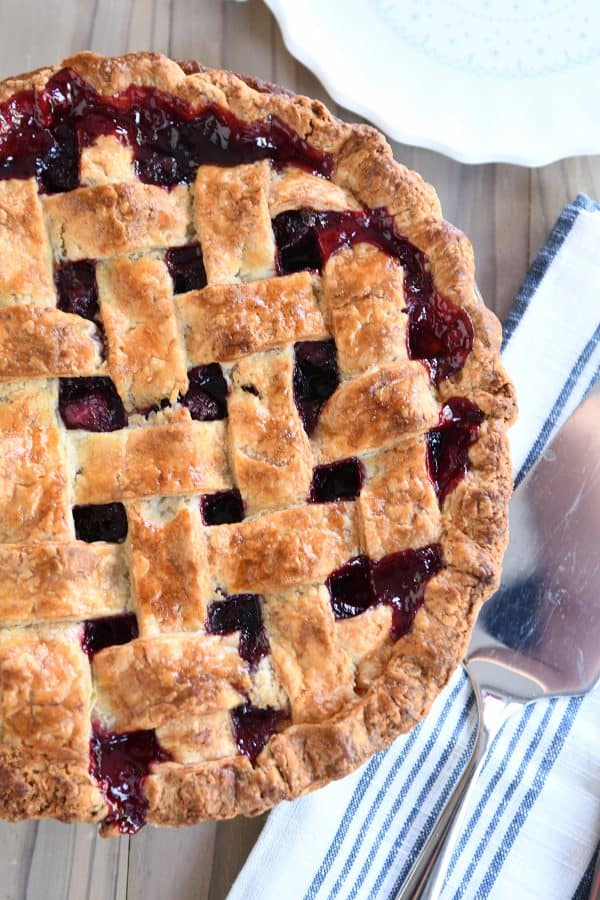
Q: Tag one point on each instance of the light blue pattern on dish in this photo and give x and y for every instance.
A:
(498, 38)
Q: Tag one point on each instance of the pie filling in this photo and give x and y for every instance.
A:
(222, 507)
(42, 134)
(206, 396)
(241, 613)
(439, 333)
(186, 268)
(76, 288)
(100, 522)
(253, 726)
(108, 632)
(397, 579)
(340, 480)
(448, 444)
(120, 764)
(91, 403)
(316, 377)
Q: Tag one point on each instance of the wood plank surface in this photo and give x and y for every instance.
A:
(507, 212)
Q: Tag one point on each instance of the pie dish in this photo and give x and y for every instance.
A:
(253, 461)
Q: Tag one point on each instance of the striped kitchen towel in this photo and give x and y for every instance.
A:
(534, 826)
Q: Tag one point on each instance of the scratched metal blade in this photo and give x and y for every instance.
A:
(540, 633)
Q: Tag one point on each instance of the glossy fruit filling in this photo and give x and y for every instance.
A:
(253, 726)
(222, 507)
(398, 579)
(42, 134)
(206, 396)
(76, 288)
(439, 333)
(100, 522)
(351, 588)
(120, 764)
(316, 377)
(186, 268)
(337, 481)
(241, 612)
(90, 403)
(108, 631)
(448, 444)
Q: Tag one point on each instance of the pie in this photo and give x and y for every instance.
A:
(253, 460)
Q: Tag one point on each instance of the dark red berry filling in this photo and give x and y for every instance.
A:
(448, 444)
(296, 237)
(43, 133)
(253, 726)
(120, 764)
(222, 507)
(337, 481)
(439, 333)
(351, 588)
(241, 612)
(91, 403)
(206, 396)
(316, 377)
(398, 579)
(108, 632)
(76, 288)
(101, 522)
(186, 268)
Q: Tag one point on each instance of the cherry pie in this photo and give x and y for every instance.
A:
(253, 461)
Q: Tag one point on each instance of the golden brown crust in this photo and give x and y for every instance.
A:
(270, 453)
(311, 663)
(44, 342)
(226, 322)
(33, 477)
(43, 582)
(273, 552)
(111, 219)
(25, 256)
(393, 684)
(37, 788)
(364, 302)
(145, 357)
(45, 690)
(168, 564)
(375, 410)
(160, 460)
(143, 683)
(231, 212)
(107, 161)
(198, 738)
(397, 506)
(294, 188)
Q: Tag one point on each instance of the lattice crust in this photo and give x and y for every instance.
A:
(364, 300)
(146, 359)
(232, 219)
(230, 616)
(223, 323)
(182, 457)
(270, 454)
(24, 247)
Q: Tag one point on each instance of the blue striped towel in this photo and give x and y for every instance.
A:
(533, 829)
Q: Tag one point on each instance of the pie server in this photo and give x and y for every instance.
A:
(539, 635)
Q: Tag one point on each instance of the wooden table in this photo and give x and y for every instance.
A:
(506, 210)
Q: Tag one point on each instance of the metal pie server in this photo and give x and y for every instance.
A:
(539, 635)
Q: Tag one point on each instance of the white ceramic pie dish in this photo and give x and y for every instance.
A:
(479, 80)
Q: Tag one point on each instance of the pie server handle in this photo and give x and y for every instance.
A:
(427, 875)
